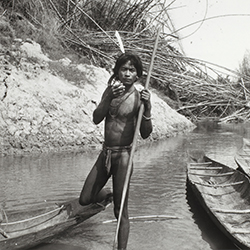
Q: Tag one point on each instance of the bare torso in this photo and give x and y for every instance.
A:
(121, 119)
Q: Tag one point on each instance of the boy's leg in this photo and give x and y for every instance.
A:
(119, 171)
(97, 178)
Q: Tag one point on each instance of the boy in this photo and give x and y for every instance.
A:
(119, 107)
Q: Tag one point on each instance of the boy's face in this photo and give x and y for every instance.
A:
(127, 73)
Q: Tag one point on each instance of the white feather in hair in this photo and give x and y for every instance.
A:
(119, 39)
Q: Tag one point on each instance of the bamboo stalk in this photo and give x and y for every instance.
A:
(231, 211)
(147, 217)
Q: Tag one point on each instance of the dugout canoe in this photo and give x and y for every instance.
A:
(28, 229)
(224, 193)
(242, 157)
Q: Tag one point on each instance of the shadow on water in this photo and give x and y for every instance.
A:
(209, 231)
(48, 246)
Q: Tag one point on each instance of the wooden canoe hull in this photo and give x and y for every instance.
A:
(224, 193)
(242, 157)
(29, 232)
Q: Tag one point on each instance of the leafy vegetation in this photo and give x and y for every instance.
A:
(84, 30)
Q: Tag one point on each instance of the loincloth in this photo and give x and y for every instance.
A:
(108, 153)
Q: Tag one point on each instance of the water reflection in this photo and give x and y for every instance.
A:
(158, 187)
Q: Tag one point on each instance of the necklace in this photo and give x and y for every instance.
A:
(114, 108)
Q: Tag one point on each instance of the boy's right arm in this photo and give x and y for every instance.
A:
(102, 109)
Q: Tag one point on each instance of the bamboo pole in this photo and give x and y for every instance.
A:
(147, 217)
(141, 110)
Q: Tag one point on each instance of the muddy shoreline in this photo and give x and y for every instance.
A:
(43, 111)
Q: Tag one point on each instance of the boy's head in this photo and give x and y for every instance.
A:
(134, 60)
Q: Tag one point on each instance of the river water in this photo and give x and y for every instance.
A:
(158, 188)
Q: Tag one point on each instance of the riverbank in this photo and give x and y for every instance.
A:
(46, 105)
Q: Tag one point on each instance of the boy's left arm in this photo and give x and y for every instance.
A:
(146, 123)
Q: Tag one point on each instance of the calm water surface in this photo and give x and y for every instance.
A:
(158, 187)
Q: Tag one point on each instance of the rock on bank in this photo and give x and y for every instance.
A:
(42, 111)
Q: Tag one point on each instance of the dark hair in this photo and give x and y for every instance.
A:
(125, 57)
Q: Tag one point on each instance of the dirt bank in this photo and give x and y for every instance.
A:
(47, 105)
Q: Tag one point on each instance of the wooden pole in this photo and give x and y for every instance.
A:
(137, 128)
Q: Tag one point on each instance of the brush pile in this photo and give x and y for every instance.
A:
(89, 28)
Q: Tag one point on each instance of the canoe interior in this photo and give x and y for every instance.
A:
(27, 229)
(225, 195)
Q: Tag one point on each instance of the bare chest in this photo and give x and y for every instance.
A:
(125, 106)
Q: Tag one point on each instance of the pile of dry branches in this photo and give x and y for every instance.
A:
(193, 92)
(89, 27)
